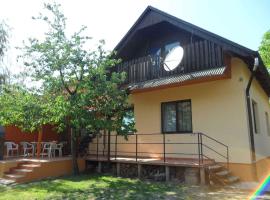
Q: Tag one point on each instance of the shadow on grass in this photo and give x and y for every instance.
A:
(101, 187)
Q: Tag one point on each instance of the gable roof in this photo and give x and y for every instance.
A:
(152, 16)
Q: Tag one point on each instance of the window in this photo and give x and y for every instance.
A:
(129, 118)
(176, 117)
(255, 116)
(267, 123)
(155, 51)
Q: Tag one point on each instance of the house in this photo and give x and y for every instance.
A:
(207, 92)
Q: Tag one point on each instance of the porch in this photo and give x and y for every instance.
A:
(17, 169)
(191, 152)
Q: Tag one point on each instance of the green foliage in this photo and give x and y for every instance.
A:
(29, 110)
(4, 34)
(264, 49)
(84, 78)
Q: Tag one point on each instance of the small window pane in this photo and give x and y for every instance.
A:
(169, 117)
(184, 116)
(155, 51)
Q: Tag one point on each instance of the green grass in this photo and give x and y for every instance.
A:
(93, 187)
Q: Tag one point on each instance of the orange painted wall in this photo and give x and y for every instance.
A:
(12, 133)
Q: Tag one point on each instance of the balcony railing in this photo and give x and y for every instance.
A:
(198, 56)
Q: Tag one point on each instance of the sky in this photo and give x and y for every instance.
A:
(242, 21)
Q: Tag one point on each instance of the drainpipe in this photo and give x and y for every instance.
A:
(250, 121)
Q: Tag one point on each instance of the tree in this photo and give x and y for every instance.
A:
(4, 36)
(29, 110)
(84, 78)
(3, 39)
(264, 49)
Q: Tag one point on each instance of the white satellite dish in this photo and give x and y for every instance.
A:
(173, 58)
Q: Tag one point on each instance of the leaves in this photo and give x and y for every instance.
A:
(264, 49)
(79, 84)
(29, 110)
(4, 35)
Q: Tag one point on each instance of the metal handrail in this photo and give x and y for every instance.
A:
(218, 153)
(214, 139)
(201, 155)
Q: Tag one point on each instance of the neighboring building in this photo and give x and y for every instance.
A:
(206, 92)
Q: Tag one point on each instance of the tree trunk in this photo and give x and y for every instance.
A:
(75, 168)
(39, 142)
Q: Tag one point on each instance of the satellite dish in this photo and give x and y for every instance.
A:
(173, 58)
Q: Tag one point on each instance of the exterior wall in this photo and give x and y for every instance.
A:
(262, 138)
(14, 134)
(218, 110)
(263, 168)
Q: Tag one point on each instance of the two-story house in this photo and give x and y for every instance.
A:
(213, 87)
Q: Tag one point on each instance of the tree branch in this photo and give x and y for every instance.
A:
(63, 82)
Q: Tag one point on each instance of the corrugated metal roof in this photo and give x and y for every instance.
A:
(177, 78)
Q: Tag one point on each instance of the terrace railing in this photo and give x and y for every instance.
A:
(196, 145)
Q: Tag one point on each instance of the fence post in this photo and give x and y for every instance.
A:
(227, 157)
(97, 146)
(109, 146)
(164, 148)
(115, 147)
(199, 149)
(136, 147)
(201, 145)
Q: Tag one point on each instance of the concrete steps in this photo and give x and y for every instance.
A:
(21, 173)
(6, 182)
(220, 175)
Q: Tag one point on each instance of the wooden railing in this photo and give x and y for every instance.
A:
(198, 56)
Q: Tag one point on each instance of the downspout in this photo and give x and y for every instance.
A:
(250, 121)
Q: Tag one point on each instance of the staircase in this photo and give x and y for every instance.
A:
(21, 173)
(220, 175)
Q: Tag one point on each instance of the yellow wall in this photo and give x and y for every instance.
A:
(218, 110)
(262, 139)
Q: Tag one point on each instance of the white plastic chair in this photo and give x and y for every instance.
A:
(57, 147)
(47, 149)
(27, 148)
(11, 147)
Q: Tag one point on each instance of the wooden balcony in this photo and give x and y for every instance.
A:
(198, 56)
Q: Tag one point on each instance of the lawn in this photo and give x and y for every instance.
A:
(92, 187)
(106, 187)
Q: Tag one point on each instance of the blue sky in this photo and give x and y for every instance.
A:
(242, 21)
